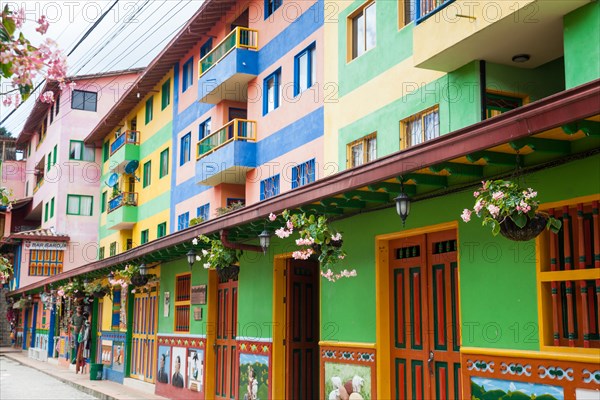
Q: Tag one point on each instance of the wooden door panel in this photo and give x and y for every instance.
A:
(226, 346)
(143, 355)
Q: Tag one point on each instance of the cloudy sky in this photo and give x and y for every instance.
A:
(131, 34)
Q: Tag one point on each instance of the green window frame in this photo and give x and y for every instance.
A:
(113, 249)
(54, 154)
(161, 230)
(80, 205)
(103, 202)
(145, 236)
(149, 109)
(52, 208)
(147, 174)
(80, 152)
(165, 94)
(164, 163)
(105, 152)
(46, 212)
(101, 253)
(49, 163)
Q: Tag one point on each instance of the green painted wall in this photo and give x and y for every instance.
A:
(497, 276)
(582, 53)
(392, 47)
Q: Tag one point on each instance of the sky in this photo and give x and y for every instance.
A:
(130, 36)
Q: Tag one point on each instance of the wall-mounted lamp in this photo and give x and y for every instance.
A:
(265, 240)
(191, 257)
(143, 270)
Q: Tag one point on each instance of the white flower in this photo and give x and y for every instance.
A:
(195, 241)
(206, 265)
(198, 258)
(272, 217)
(204, 252)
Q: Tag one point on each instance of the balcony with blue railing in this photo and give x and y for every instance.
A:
(122, 211)
(227, 154)
(125, 148)
(224, 73)
(426, 8)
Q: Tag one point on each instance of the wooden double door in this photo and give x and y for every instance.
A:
(226, 355)
(425, 330)
(143, 342)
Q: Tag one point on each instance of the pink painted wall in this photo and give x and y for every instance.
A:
(13, 178)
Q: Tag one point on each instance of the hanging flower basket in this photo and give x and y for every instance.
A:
(229, 272)
(139, 280)
(533, 227)
(99, 294)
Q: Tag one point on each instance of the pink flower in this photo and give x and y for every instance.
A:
(476, 194)
(72, 85)
(478, 206)
(485, 185)
(302, 254)
(305, 241)
(290, 225)
(7, 100)
(494, 210)
(132, 290)
(60, 293)
(342, 256)
(466, 215)
(337, 237)
(498, 196)
(47, 97)
(282, 233)
(44, 24)
(272, 217)
(19, 17)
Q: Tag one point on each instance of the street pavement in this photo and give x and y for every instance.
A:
(18, 382)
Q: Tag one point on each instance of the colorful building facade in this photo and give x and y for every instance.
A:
(422, 105)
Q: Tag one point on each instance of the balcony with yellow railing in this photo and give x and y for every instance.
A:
(227, 154)
(125, 148)
(225, 71)
(122, 211)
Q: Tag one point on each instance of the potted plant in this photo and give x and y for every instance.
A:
(223, 259)
(72, 289)
(510, 210)
(317, 239)
(130, 275)
(97, 288)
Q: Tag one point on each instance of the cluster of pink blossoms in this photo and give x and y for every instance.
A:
(285, 232)
(120, 282)
(332, 277)
(303, 254)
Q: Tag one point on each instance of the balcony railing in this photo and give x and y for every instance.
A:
(236, 129)
(124, 199)
(38, 185)
(239, 38)
(127, 137)
(426, 8)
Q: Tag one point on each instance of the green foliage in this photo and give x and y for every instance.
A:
(97, 285)
(3, 131)
(196, 221)
(217, 255)
(5, 194)
(232, 207)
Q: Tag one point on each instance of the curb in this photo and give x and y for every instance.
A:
(82, 388)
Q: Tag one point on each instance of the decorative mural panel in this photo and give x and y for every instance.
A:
(181, 370)
(347, 371)
(550, 379)
(254, 369)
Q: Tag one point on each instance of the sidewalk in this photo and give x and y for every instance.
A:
(105, 390)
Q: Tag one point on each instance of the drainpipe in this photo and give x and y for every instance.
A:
(482, 89)
(237, 246)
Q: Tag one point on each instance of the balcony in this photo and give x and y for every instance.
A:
(227, 154)
(451, 33)
(224, 73)
(125, 148)
(122, 211)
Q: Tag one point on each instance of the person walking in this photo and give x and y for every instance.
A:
(83, 341)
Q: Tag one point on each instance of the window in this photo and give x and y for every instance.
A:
(46, 212)
(79, 205)
(364, 30)
(420, 128)
(105, 152)
(147, 174)
(271, 6)
(113, 249)
(116, 309)
(271, 92)
(103, 201)
(567, 273)
(204, 129)
(49, 163)
(188, 74)
(149, 110)
(101, 253)
(183, 297)
(406, 11)
(303, 174)
(206, 48)
(82, 100)
(305, 70)
(145, 236)
(496, 104)
(269, 187)
(164, 163)
(57, 102)
(185, 149)
(52, 208)
(54, 154)
(46, 262)
(183, 221)
(362, 151)
(203, 212)
(165, 94)
(52, 113)
(77, 151)
(129, 244)
(161, 230)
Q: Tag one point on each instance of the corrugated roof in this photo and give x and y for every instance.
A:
(43, 234)
(199, 24)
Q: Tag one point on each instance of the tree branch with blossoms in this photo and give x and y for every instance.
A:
(318, 239)
(22, 63)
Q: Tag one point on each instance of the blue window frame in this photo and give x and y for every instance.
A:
(203, 212)
(183, 221)
(269, 187)
(271, 92)
(206, 48)
(303, 174)
(188, 74)
(204, 129)
(271, 6)
(305, 70)
(185, 149)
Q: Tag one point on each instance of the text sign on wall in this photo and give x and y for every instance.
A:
(33, 245)
(198, 294)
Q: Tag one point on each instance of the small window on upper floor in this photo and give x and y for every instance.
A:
(78, 151)
(183, 221)
(496, 104)
(206, 48)
(269, 187)
(420, 128)
(147, 179)
(161, 230)
(149, 109)
(362, 151)
(185, 149)
(406, 12)
(165, 94)
(363, 24)
(82, 100)
(272, 94)
(187, 74)
(164, 163)
(203, 212)
(305, 70)
(271, 6)
(145, 236)
(303, 174)
(204, 129)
